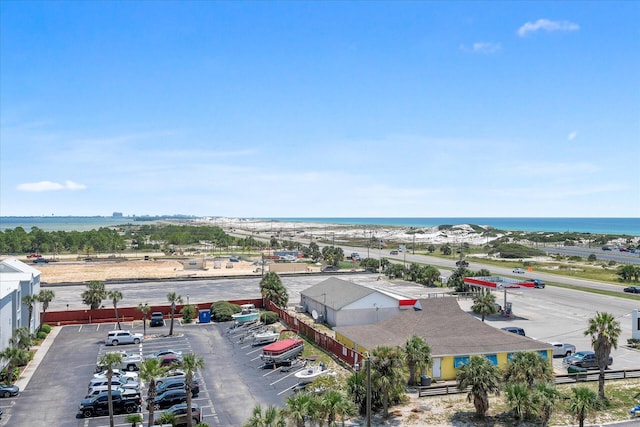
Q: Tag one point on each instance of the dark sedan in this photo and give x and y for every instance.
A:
(8, 390)
(169, 398)
(633, 289)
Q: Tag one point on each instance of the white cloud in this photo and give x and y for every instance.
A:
(50, 186)
(482, 47)
(547, 25)
(572, 135)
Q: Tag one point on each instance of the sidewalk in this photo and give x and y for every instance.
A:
(41, 352)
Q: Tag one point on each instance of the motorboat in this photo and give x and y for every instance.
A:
(283, 350)
(309, 374)
(249, 313)
(265, 337)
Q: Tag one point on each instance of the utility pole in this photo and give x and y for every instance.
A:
(369, 392)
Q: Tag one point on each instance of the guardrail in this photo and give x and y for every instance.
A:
(451, 388)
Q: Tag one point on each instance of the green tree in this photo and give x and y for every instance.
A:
(387, 373)
(298, 407)
(429, 275)
(418, 356)
(150, 369)
(21, 338)
(528, 367)
(109, 361)
(173, 299)
(626, 272)
(45, 296)
(484, 303)
(190, 364)
(582, 402)
(115, 296)
(144, 309)
(519, 399)
(335, 405)
(445, 249)
(545, 399)
(30, 301)
(271, 417)
(483, 378)
(188, 313)
(134, 419)
(94, 294)
(604, 331)
(272, 289)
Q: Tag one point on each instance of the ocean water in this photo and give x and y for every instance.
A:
(618, 226)
(628, 226)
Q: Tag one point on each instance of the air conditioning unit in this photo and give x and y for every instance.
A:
(299, 309)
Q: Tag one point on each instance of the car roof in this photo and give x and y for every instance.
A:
(183, 405)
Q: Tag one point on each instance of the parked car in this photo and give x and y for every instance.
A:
(98, 405)
(169, 360)
(583, 359)
(562, 349)
(123, 337)
(178, 383)
(633, 289)
(157, 319)
(538, 284)
(393, 253)
(170, 375)
(161, 353)
(327, 268)
(514, 329)
(125, 392)
(168, 399)
(117, 373)
(40, 260)
(8, 390)
(115, 382)
(518, 271)
(179, 411)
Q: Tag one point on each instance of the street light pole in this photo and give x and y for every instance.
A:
(368, 390)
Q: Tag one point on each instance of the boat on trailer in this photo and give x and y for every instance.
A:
(265, 337)
(283, 350)
(249, 313)
(309, 374)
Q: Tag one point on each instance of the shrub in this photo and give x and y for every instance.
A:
(221, 311)
(188, 313)
(45, 328)
(41, 335)
(592, 258)
(269, 317)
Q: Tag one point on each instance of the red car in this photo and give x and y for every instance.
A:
(169, 360)
(34, 255)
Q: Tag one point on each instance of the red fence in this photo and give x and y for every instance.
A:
(322, 340)
(125, 314)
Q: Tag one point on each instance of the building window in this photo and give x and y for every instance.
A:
(459, 361)
(493, 358)
(544, 354)
(510, 356)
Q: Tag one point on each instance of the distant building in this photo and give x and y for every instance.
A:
(117, 215)
(17, 279)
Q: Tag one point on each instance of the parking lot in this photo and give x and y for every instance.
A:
(232, 382)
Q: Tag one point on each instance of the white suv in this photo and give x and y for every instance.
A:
(123, 337)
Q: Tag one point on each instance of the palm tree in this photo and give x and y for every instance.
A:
(483, 378)
(545, 399)
(272, 289)
(145, 309)
(110, 361)
(94, 294)
(115, 297)
(30, 301)
(134, 419)
(298, 407)
(45, 296)
(519, 398)
(528, 367)
(582, 402)
(429, 274)
(21, 338)
(150, 369)
(387, 372)
(418, 355)
(173, 299)
(335, 405)
(604, 330)
(190, 364)
(272, 417)
(484, 303)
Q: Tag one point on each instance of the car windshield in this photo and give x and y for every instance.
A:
(580, 355)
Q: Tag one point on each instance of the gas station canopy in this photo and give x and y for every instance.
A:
(498, 283)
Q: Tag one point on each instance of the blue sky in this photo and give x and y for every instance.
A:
(320, 109)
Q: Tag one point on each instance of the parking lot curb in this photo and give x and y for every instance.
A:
(39, 355)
